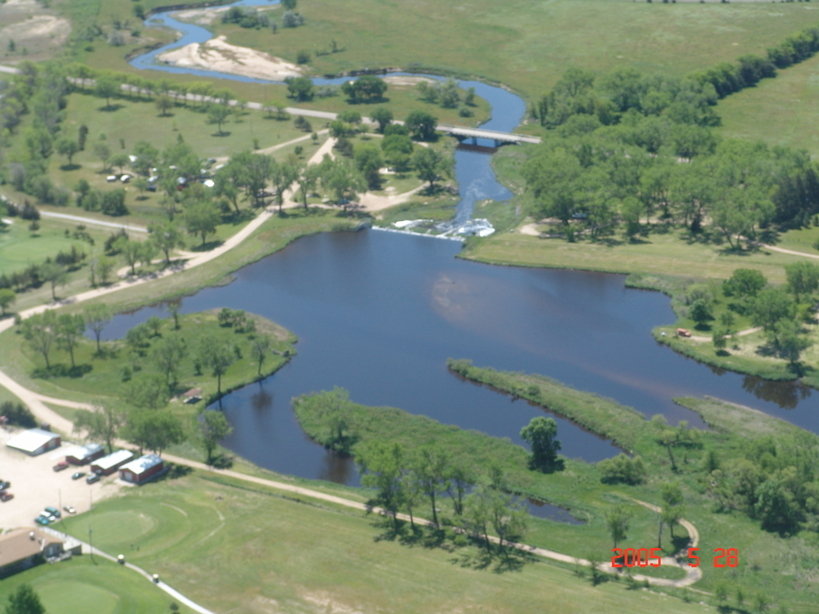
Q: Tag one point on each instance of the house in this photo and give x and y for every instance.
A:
(108, 464)
(80, 455)
(34, 441)
(142, 469)
(23, 548)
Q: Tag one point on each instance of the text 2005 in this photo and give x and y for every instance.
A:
(649, 557)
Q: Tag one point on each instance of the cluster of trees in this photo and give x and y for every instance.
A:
(52, 270)
(775, 481)
(622, 469)
(17, 414)
(403, 478)
(366, 88)
(727, 78)
(448, 95)
(39, 92)
(780, 311)
(600, 175)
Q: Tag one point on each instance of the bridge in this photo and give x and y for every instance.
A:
(500, 138)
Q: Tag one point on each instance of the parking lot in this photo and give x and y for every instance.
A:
(36, 485)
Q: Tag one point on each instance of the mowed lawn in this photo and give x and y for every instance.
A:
(780, 111)
(235, 547)
(86, 585)
(660, 254)
(19, 247)
(528, 44)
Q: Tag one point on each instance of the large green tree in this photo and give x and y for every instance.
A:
(24, 600)
(213, 427)
(541, 435)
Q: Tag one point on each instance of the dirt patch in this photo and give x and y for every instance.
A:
(408, 81)
(29, 32)
(36, 485)
(219, 55)
(202, 17)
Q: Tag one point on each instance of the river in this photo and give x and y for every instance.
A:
(379, 314)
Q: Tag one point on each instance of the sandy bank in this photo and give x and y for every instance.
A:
(219, 55)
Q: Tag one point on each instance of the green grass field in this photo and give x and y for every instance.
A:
(91, 585)
(780, 111)
(234, 547)
(19, 247)
(527, 44)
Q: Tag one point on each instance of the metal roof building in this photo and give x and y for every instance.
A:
(34, 441)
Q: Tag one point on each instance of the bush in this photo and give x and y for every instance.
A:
(622, 469)
(17, 414)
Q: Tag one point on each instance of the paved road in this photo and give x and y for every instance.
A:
(91, 221)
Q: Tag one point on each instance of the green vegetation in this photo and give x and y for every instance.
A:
(91, 584)
(526, 43)
(178, 529)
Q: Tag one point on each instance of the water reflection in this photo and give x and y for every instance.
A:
(541, 509)
(784, 394)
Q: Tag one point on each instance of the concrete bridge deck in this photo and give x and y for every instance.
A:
(493, 135)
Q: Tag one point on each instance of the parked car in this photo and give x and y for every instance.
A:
(92, 478)
(6, 496)
(77, 475)
(42, 520)
(52, 511)
(70, 509)
(60, 466)
(4, 485)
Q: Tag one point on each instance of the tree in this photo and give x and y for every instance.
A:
(107, 88)
(55, 275)
(130, 251)
(100, 423)
(382, 116)
(69, 332)
(368, 161)
(40, 330)
(300, 88)
(167, 237)
(153, 429)
(770, 306)
(167, 355)
(617, 521)
(164, 104)
(217, 114)
(367, 88)
(803, 278)
(260, 348)
(431, 165)
(96, 317)
(541, 434)
(430, 469)
(7, 298)
(744, 284)
(421, 125)
(397, 150)
(622, 469)
(784, 336)
(148, 391)
(218, 356)
(383, 467)
(201, 219)
(103, 152)
(700, 312)
(309, 176)
(671, 509)
(213, 427)
(24, 601)
(342, 179)
(282, 176)
(68, 148)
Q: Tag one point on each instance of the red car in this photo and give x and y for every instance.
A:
(6, 496)
(60, 466)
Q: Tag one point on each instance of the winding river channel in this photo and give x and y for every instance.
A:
(379, 313)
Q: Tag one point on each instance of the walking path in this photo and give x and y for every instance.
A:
(93, 221)
(92, 550)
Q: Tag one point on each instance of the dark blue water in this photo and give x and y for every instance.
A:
(380, 313)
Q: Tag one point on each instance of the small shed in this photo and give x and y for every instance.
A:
(108, 464)
(142, 469)
(34, 441)
(80, 455)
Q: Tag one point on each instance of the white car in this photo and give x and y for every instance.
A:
(111, 178)
(70, 509)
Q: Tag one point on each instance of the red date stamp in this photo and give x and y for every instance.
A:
(651, 557)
